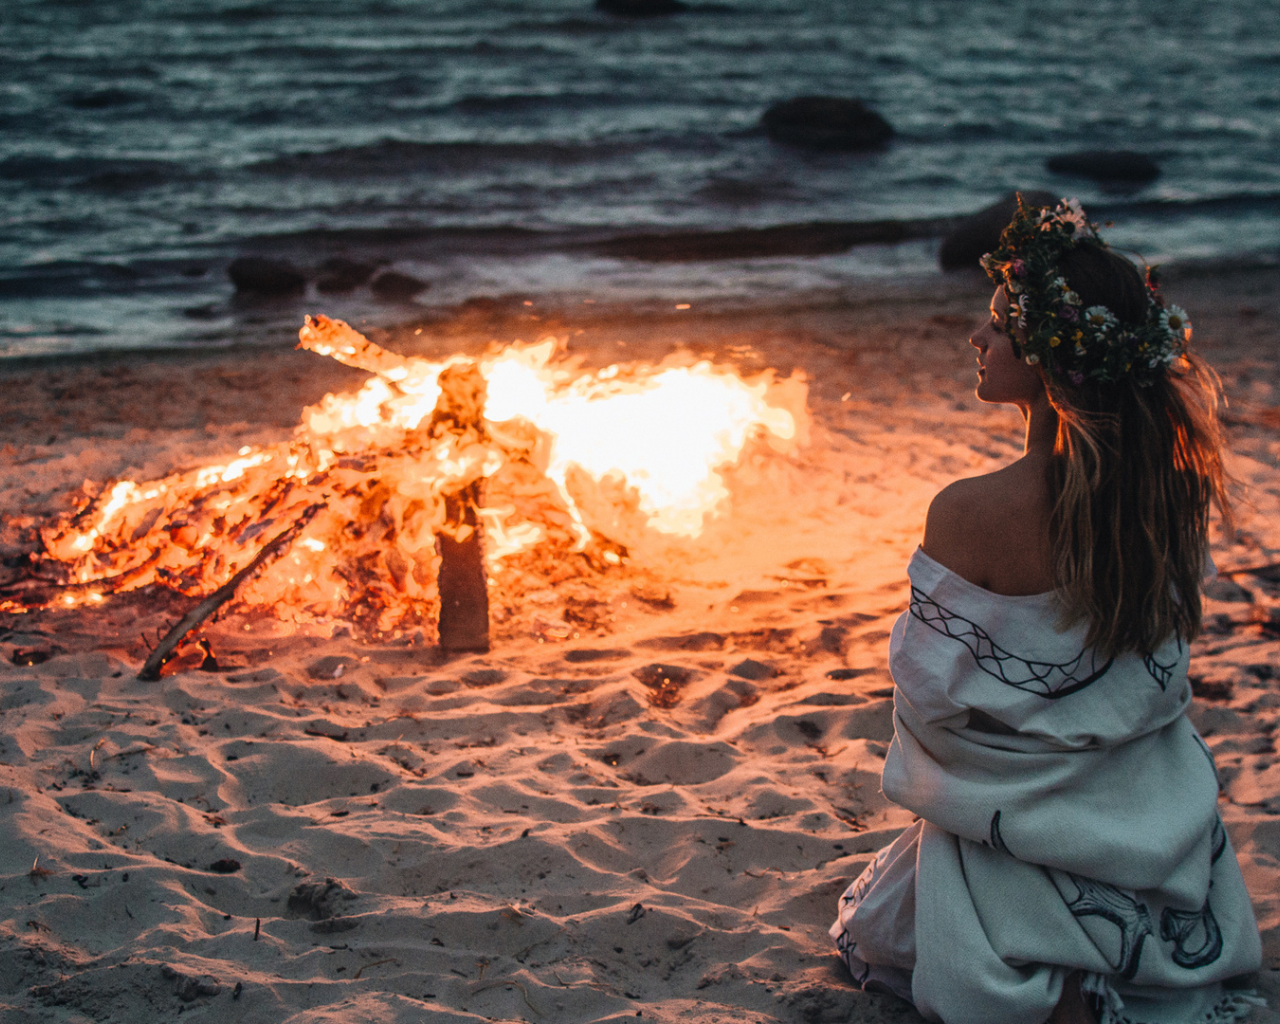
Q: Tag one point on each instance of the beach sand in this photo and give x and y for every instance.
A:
(337, 831)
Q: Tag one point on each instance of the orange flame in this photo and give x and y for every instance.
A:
(661, 436)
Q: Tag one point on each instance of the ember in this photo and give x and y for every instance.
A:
(528, 463)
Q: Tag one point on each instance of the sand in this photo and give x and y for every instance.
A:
(329, 830)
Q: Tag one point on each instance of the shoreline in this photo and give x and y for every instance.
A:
(539, 833)
(247, 320)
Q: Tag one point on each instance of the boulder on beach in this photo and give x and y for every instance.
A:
(641, 8)
(340, 274)
(978, 233)
(1118, 165)
(260, 276)
(826, 122)
(393, 286)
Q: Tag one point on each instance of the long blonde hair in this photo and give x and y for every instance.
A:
(1134, 472)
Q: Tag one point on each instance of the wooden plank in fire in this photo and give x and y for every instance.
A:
(339, 340)
(463, 580)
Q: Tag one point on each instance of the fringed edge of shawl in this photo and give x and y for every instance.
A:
(1232, 1007)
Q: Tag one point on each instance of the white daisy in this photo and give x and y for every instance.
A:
(1071, 210)
(1099, 316)
(1176, 321)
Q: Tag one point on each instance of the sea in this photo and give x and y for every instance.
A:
(487, 148)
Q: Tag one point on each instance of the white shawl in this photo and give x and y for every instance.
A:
(1069, 823)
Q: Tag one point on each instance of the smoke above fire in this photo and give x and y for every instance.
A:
(574, 466)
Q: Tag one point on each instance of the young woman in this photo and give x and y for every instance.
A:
(1069, 863)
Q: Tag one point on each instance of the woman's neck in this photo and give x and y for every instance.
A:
(1042, 427)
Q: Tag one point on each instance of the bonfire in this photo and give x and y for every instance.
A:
(400, 508)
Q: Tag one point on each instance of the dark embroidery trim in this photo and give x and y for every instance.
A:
(1204, 749)
(997, 840)
(847, 948)
(1126, 912)
(1160, 672)
(1182, 927)
(1046, 679)
(1219, 840)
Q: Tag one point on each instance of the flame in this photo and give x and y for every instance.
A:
(665, 435)
(662, 437)
(504, 540)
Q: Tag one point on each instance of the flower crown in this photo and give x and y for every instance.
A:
(1070, 341)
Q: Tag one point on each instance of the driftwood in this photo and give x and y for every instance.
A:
(164, 650)
(340, 341)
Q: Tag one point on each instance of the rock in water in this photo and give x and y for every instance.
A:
(641, 8)
(978, 234)
(393, 286)
(340, 274)
(1106, 165)
(257, 275)
(826, 122)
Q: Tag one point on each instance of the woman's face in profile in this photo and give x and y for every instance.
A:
(1002, 376)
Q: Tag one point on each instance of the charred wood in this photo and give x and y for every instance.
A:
(463, 579)
(35, 591)
(464, 592)
(165, 649)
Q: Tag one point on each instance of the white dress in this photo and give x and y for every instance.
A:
(1068, 823)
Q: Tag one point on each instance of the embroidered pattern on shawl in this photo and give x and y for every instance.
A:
(1045, 678)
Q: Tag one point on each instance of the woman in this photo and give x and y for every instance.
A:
(1069, 863)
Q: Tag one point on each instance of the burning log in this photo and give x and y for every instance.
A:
(328, 337)
(462, 580)
(164, 650)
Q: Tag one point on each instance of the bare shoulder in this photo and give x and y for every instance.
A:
(953, 528)
(952, 512)
(993, 529)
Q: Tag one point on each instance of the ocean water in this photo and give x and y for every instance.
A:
(483, 146)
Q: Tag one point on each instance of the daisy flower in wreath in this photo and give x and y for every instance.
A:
(1175, 320)
(1099, 318)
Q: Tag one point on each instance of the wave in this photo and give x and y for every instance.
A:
(649, 243)
(94, 173)
(250, 13)
(104, 98)
(398, 156)
(599, 23)
(821, 238)
(641, 243)
(516, 103)
(1230, 203)
(68, 278)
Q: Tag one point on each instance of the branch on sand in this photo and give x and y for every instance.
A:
(164, 650)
